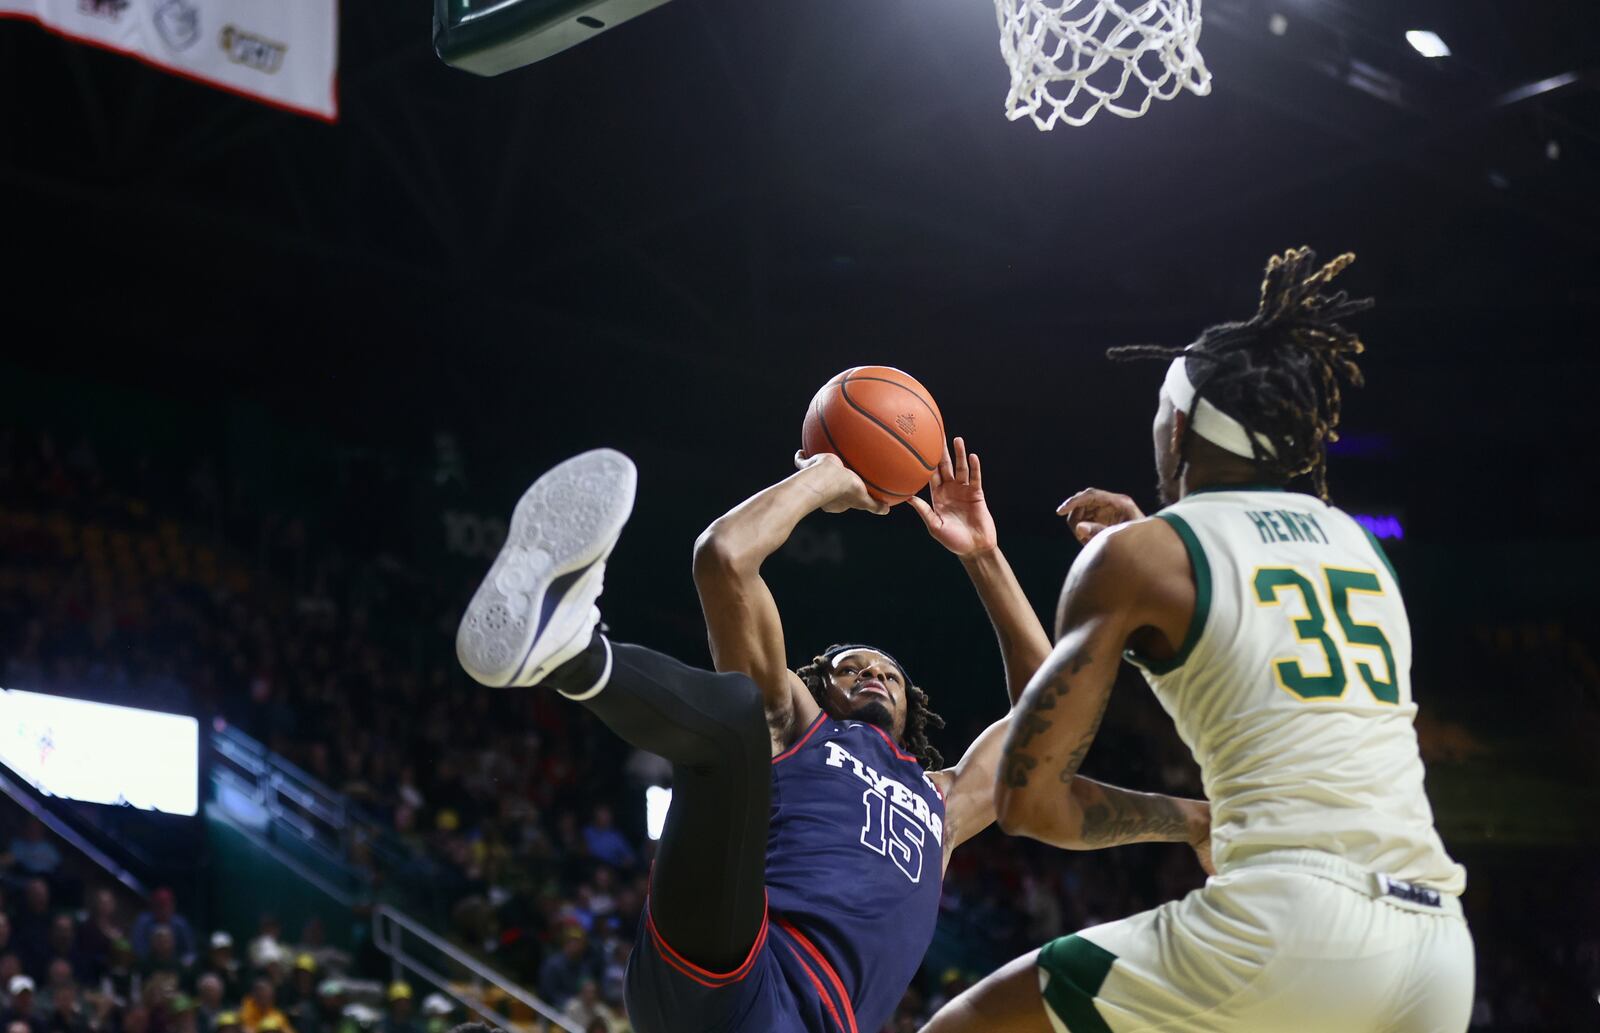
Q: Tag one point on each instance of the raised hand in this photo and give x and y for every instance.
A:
(841, 486)
(1093, 510)
(957, 517)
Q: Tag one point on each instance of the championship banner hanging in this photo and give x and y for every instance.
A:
(282, 53)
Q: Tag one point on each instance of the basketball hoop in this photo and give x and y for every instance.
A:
(1101, 51)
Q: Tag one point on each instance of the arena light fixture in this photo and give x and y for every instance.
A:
(657, 801)
(1427, 43)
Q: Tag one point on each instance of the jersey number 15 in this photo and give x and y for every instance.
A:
(894, 833)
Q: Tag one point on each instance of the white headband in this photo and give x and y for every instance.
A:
(1206, 419)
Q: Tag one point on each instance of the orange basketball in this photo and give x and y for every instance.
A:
(883, 425)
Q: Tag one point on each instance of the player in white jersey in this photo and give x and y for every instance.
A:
(1271, 627)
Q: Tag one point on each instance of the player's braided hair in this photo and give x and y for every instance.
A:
(1278, 372)
(919, 716)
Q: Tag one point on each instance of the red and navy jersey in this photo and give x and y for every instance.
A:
(854, 866)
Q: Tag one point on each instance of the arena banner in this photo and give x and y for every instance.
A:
(281, 53)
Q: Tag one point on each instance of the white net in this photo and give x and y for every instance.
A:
(1070, 58)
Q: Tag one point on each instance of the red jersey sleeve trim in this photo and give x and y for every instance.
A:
(786, 754)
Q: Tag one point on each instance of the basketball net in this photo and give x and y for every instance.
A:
(1070, 58)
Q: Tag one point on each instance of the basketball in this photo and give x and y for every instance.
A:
(883, 424)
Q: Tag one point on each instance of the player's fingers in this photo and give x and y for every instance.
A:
(977, 471)
(946, 469)
(800, 458)
(960, 456)
(924, 510)
(1073, 500)
(937, 479)
(1084, 530)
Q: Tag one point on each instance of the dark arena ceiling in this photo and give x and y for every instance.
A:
(672, 233)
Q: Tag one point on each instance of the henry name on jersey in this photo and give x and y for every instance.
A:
(891, 788)
(1281, 525)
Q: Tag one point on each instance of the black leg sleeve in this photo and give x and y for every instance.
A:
(708, 888)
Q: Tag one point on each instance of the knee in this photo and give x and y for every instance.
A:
(745, 719)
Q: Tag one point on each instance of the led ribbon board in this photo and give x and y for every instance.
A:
(98, 753)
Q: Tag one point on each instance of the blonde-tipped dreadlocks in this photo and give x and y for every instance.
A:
(1278, 372)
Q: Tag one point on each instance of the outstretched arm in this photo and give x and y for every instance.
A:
(1133, 580)
(742, 619)
(958, 518)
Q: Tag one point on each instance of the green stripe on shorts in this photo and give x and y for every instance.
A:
(1075, 969)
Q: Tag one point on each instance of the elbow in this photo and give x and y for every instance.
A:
(1013, 812)
(1023, 811)
(716, 555)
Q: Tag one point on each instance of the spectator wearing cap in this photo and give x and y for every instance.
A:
(327, 1013)
(21, 1007)
(401, 1010)
(302, 987)
(221, 963)
(438, 1014)
(259, 1013)
(604, 842)
(268, 943)
(163, 911)
(564, 971)
(586, 1008)
(314, 941)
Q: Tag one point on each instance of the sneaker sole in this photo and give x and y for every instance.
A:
(524, 612)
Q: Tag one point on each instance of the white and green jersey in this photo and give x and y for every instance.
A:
(1293, 687)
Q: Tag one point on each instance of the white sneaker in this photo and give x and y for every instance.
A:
(536, 608)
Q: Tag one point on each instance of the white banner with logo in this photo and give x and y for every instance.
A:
(283, 52)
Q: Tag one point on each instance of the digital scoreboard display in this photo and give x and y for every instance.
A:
(488, 37)
(98, 753)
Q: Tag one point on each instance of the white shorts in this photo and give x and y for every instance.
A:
(1293, 941)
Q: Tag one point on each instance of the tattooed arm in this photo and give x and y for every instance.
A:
(1130, 585)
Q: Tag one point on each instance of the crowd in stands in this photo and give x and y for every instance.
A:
(522, 825)
(77, 956)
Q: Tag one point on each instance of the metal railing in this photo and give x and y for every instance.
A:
(292, 808)
(390, 930)
(311, 829)
(322, 817)
(60, 826)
